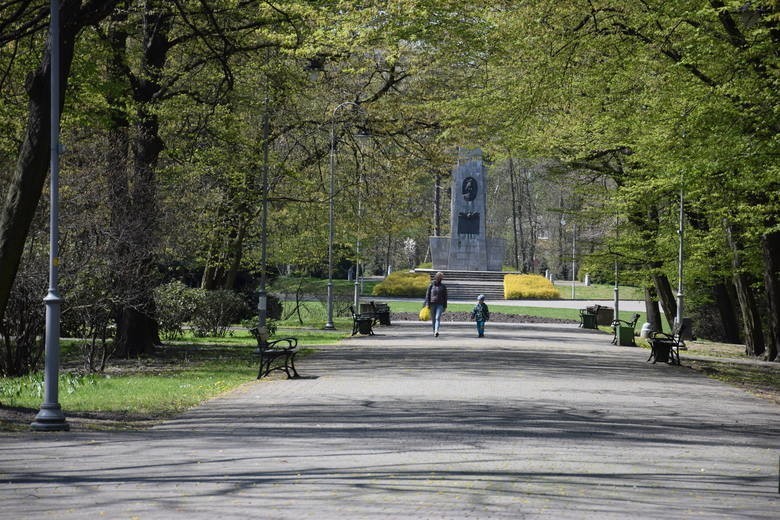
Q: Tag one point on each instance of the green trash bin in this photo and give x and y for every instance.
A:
(588, 320)
(625, 336)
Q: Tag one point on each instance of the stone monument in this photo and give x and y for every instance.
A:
(468, 248)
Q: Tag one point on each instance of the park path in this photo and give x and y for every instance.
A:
(533, 421)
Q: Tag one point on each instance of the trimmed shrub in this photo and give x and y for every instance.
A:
(175, 307)
(403, 284)
(215, 311)
(529, 286)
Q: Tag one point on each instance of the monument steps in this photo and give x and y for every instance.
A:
(467, 285)
(470, 290)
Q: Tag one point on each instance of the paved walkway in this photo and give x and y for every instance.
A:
(624, 305)
(532, 421)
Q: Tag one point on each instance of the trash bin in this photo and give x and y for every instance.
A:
(588, 320)
(625, 336)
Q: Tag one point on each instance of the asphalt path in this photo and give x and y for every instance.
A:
(623, 305)
(533, 421)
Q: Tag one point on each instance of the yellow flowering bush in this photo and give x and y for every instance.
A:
(529, 286)
(400, 283)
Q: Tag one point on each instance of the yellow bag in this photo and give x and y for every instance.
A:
(425, 313)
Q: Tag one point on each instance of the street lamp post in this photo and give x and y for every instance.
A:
(262, 297)
(573, 258)
(50, 416)
(678, 319)
(361, 136)
(329, 323)
(356, 297)
(616, 303)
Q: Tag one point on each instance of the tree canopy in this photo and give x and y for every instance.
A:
(601, 112)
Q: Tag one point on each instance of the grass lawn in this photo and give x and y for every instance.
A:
(598, 291)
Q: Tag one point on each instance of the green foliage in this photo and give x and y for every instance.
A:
(529, 286)
(176, 304)
(398, 283)
(210, 313)
(215, 311)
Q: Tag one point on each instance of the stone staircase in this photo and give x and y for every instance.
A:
(467, 285)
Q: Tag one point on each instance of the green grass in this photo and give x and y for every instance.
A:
(181, 374)
(136, 394)
(241, 337)
(598, 291)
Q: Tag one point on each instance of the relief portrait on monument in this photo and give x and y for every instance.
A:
(469, 189)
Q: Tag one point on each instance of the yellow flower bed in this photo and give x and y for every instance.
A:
(403, 284)
(529, 286)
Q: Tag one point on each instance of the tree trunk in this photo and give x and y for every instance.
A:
(437, 205)
(515, 233)
(652, 309)
(137, 331)
(728, 316)
(26, 186)
(770, 245)
(666, 296)
(751, 319)
(235, 254)
(530, 256)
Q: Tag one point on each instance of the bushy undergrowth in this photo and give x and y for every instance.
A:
(403, 284)
(529, 286)
(209, 312)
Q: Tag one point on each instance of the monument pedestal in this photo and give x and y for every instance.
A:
(468, 248)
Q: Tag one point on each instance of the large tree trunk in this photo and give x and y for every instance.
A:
(770, 245)
(137, 330)
(652, 309)
(118, 180)
(26, 187)
(437, 205)
(728, 316)
(235, 254)
(666, 296)
(751, 318)
(515, 231)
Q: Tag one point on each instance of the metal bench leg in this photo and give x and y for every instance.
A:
(263, 371)
(292, 366)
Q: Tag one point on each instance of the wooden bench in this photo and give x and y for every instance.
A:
(362, 323)
(666, 347)
(623, 331)
(379, 311)
(382, 313)
(278, 354)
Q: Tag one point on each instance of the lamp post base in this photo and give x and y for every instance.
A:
(50, 419)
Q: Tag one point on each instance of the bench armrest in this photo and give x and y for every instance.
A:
(283, 344)
(621, 322)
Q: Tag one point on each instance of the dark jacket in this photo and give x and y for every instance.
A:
(436, 294)
(480, 312)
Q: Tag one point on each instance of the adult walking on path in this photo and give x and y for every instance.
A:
(534, 421)
(436, 299)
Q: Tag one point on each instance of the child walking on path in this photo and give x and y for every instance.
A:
(481, 314)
